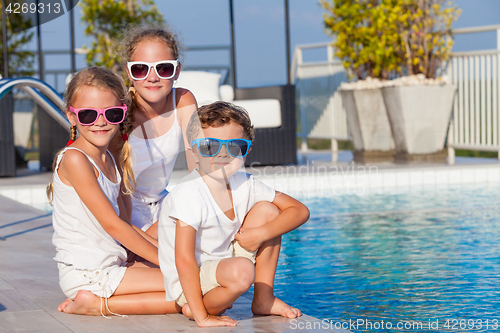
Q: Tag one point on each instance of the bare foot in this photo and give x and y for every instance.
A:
(64, 304)
(85, 303)
(187, 311)
(274, 306)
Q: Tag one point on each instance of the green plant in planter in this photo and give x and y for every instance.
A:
(366, 33)
(387, 39)
(425, 37)
(390, 38)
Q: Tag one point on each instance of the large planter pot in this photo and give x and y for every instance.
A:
(419, 118)
(369, 126)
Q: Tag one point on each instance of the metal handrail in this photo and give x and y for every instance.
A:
(9, 83)
(472, 30)
(474, 53)
(45, 96)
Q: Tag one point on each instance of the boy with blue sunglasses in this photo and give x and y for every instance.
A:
(220, 229)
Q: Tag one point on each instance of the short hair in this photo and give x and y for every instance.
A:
(219, 114)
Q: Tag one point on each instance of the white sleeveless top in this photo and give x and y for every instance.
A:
(78, 237)
(153, 161)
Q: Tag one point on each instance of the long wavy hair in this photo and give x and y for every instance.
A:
(132, 37)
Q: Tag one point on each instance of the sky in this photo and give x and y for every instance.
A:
(259, 34)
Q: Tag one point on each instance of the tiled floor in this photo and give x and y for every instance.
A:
(30, 293)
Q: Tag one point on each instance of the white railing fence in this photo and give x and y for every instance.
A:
(475, 123)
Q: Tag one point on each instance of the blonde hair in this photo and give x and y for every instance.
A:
(101, 78)
(132, 37)
(126, 128)
(219, 114)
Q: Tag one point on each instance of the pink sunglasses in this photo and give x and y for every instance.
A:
(88, 116)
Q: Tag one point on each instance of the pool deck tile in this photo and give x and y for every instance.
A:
(30, 293)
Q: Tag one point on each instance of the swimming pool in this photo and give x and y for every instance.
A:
(426, 256)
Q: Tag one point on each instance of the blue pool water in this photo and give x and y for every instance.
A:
(416, 257)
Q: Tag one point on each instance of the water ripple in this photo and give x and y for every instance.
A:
(419, 256)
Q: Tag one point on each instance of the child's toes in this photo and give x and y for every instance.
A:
(291, 313)
(296, 312)
(64, 304)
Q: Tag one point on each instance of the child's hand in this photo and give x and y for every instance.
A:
(213, 321)
(249, 238)
(132, 257)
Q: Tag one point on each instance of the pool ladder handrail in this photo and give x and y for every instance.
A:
(42, 93)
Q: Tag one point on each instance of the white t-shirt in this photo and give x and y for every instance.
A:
(191, 202)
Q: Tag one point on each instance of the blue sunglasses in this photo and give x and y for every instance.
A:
(209, 147)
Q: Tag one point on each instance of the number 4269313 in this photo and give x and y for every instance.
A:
(24, 8)
(471, 324)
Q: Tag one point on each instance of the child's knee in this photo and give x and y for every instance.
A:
(269, 210)
(263, 212)
(243, 274)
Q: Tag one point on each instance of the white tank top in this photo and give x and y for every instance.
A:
(153, 161)
(79, 239)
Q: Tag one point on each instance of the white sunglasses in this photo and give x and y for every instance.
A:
(139, 70)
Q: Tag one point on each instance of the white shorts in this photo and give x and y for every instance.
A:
(101, 282)
(208, 271)
(144, 215)
(239, 251)
(208, 280)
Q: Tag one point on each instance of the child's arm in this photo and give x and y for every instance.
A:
(79, 172)
(150, 238)
(125, 205)
(186, 103)
(293, 215)
(189, 276)
(124, 201)
(189, 272)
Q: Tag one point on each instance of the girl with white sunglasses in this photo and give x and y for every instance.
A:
(156, 122)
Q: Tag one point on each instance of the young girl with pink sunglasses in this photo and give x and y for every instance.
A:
(89, 236)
